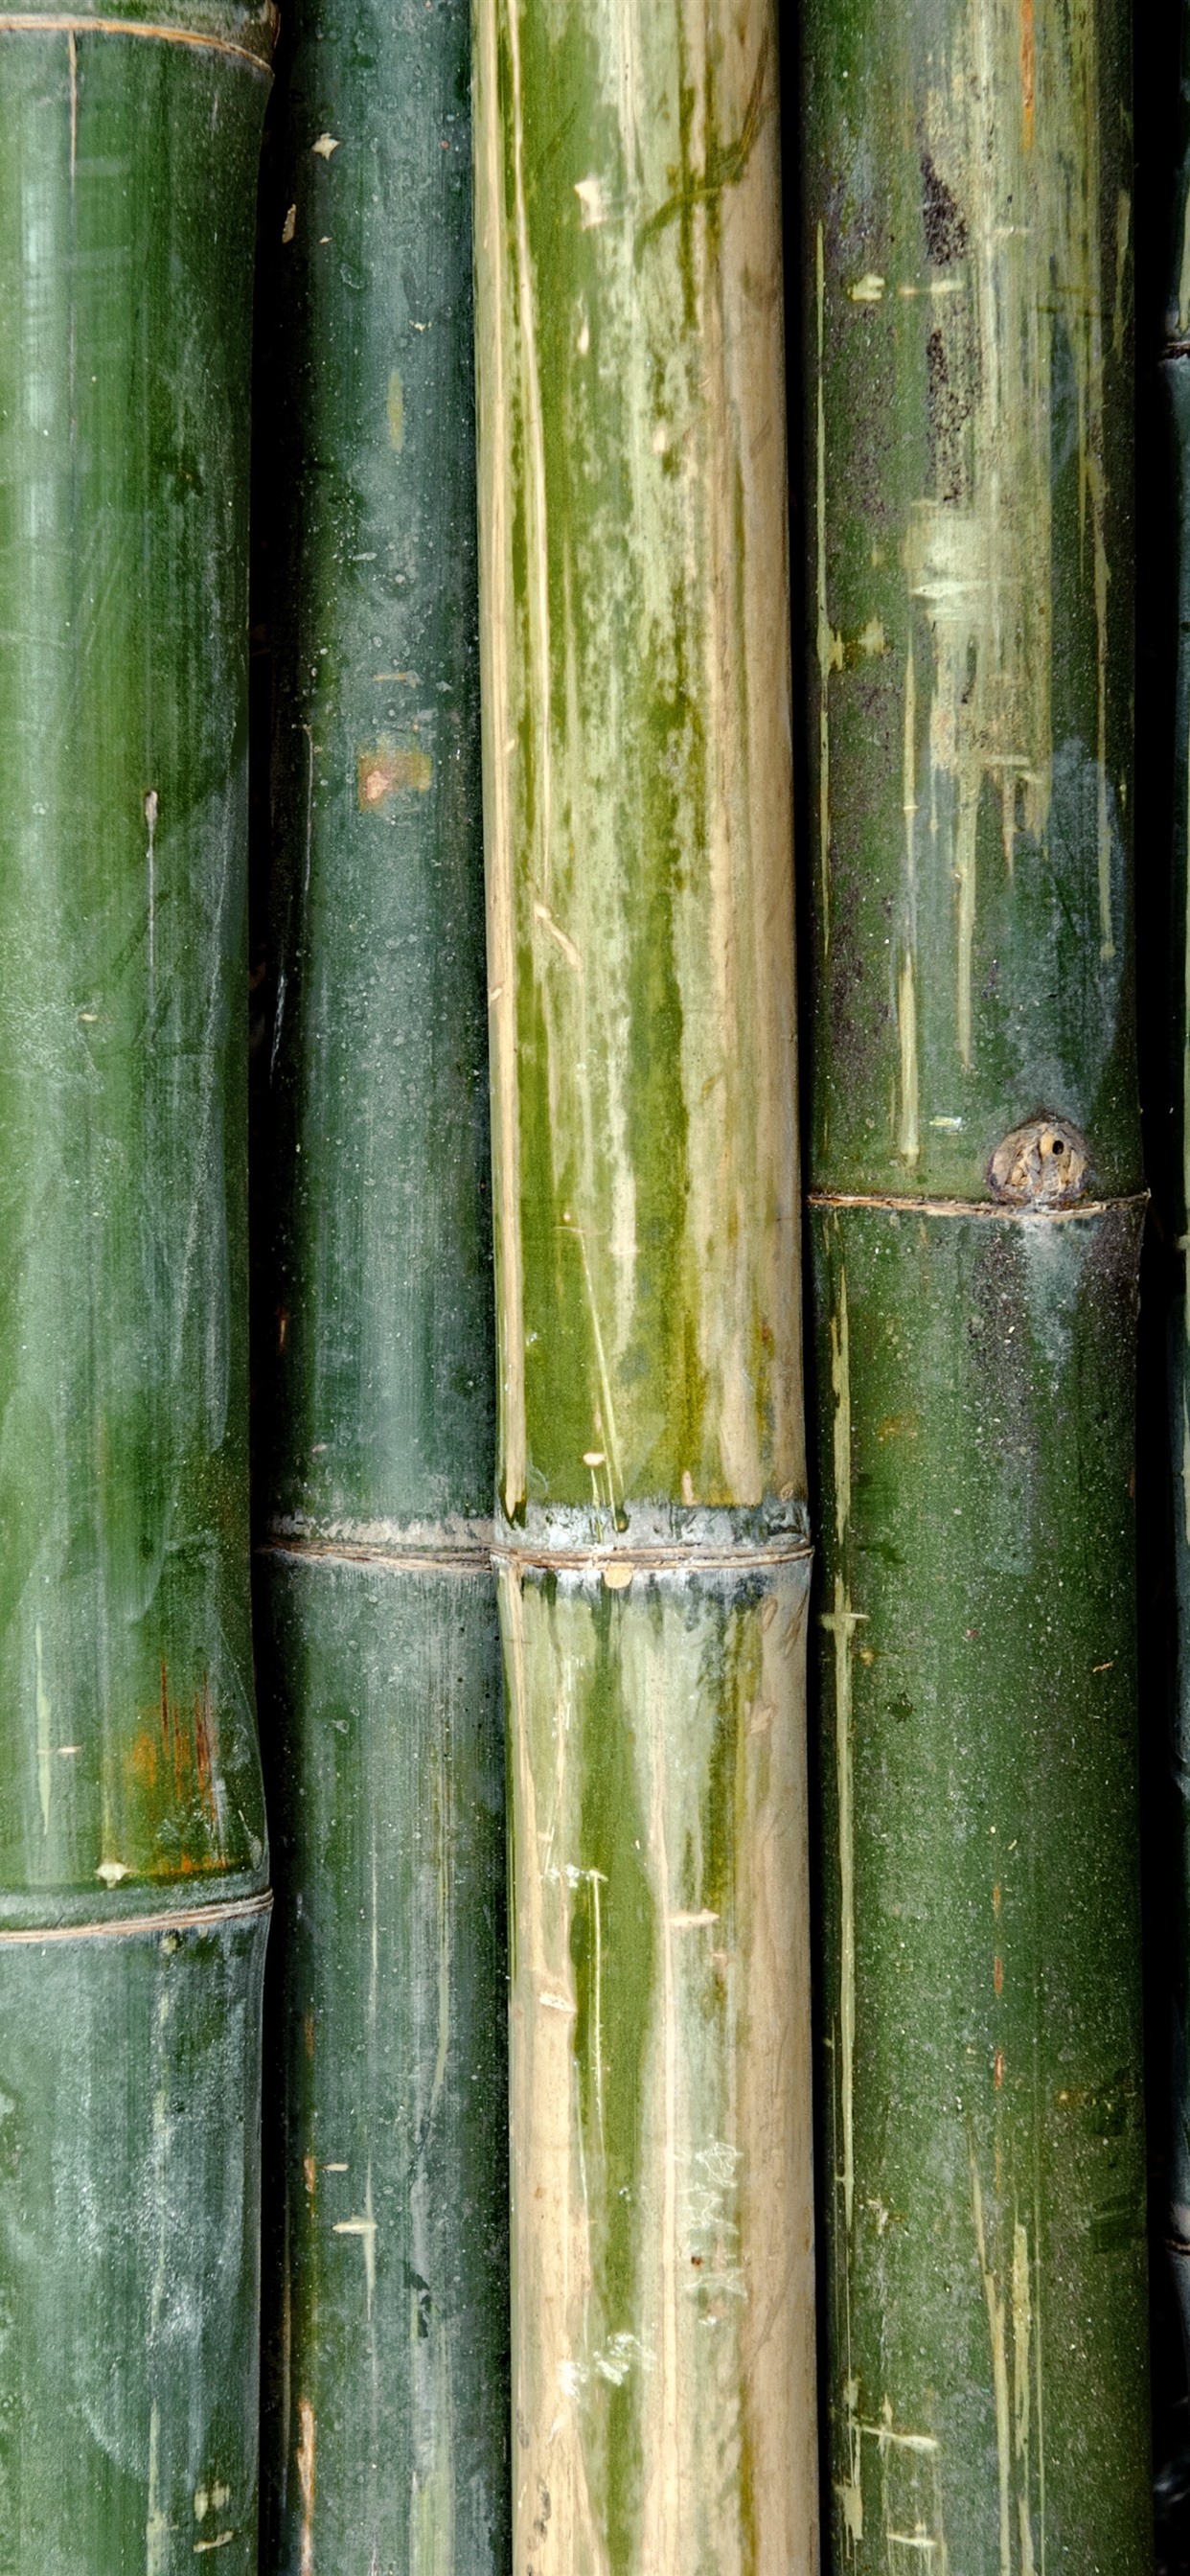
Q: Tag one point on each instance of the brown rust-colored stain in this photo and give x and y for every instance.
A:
(386, 768)
(172, 1772)
(998, 1976)
(998, 2069)
(1028, 71)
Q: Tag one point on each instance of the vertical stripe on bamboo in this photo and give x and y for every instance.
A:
(634, 588)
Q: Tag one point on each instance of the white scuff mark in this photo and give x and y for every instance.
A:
(220, 2541)
(326, 144)
(45, 1750)
(210, 2500)
(151, 870)
(112, 1871)
(365, 2228)
(557, 2003)
(542, 913)
(289, 227)
(593, 209)
(621, 2354)
(868, 289)
(691, 1922)
(157, 2535)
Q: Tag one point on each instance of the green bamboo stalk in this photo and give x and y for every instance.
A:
(387, 2401)
(654, 1556)
(976, 1231)
(133, 1872)
(1173, 1176)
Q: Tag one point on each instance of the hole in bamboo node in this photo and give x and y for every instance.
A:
(1044, 1164)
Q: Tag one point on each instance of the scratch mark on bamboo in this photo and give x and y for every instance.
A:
(364, 2227)
(306, 2476)
(997, 2332)
(1022, 2331)
(73, 59)
(151, 874)
(30, 23)
(842, 1623)
(45, 1749)
(909, 1136)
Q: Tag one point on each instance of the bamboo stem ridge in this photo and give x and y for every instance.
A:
(976, 1222)
(386, 2418)
(652, 1526)
(133, 1868)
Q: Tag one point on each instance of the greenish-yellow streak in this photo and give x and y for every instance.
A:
(396, 411)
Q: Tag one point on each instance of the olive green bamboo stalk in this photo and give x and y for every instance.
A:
(387, 2404)
(1172, 1183)
(652, 1530)
(133, 1872)
(976, 1233)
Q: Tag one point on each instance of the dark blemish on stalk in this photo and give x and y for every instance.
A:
(943, 220)
(1044, 1164)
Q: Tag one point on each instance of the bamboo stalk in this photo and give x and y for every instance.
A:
(976, 1230)
(652, 1532)
(133, 1872)
(386, 2409)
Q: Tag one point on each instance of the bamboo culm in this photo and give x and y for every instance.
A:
(976, 1219)
(652, 1523)
(133, 1868)
(386, 2417)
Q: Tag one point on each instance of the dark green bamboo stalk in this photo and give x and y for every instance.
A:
(387, 2412)
(132, 1859)
(1173, 1181)
(634, 580)
(976, 1234)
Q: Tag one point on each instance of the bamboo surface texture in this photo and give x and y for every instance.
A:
(652, 1518)
(133, 1872)
(976, 1227)
(1172, 1193)
(387, 2335)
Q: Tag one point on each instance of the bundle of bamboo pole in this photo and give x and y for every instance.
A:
(386, 2416)
(133, 1870)
(652, 1517)
(976, 1227)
